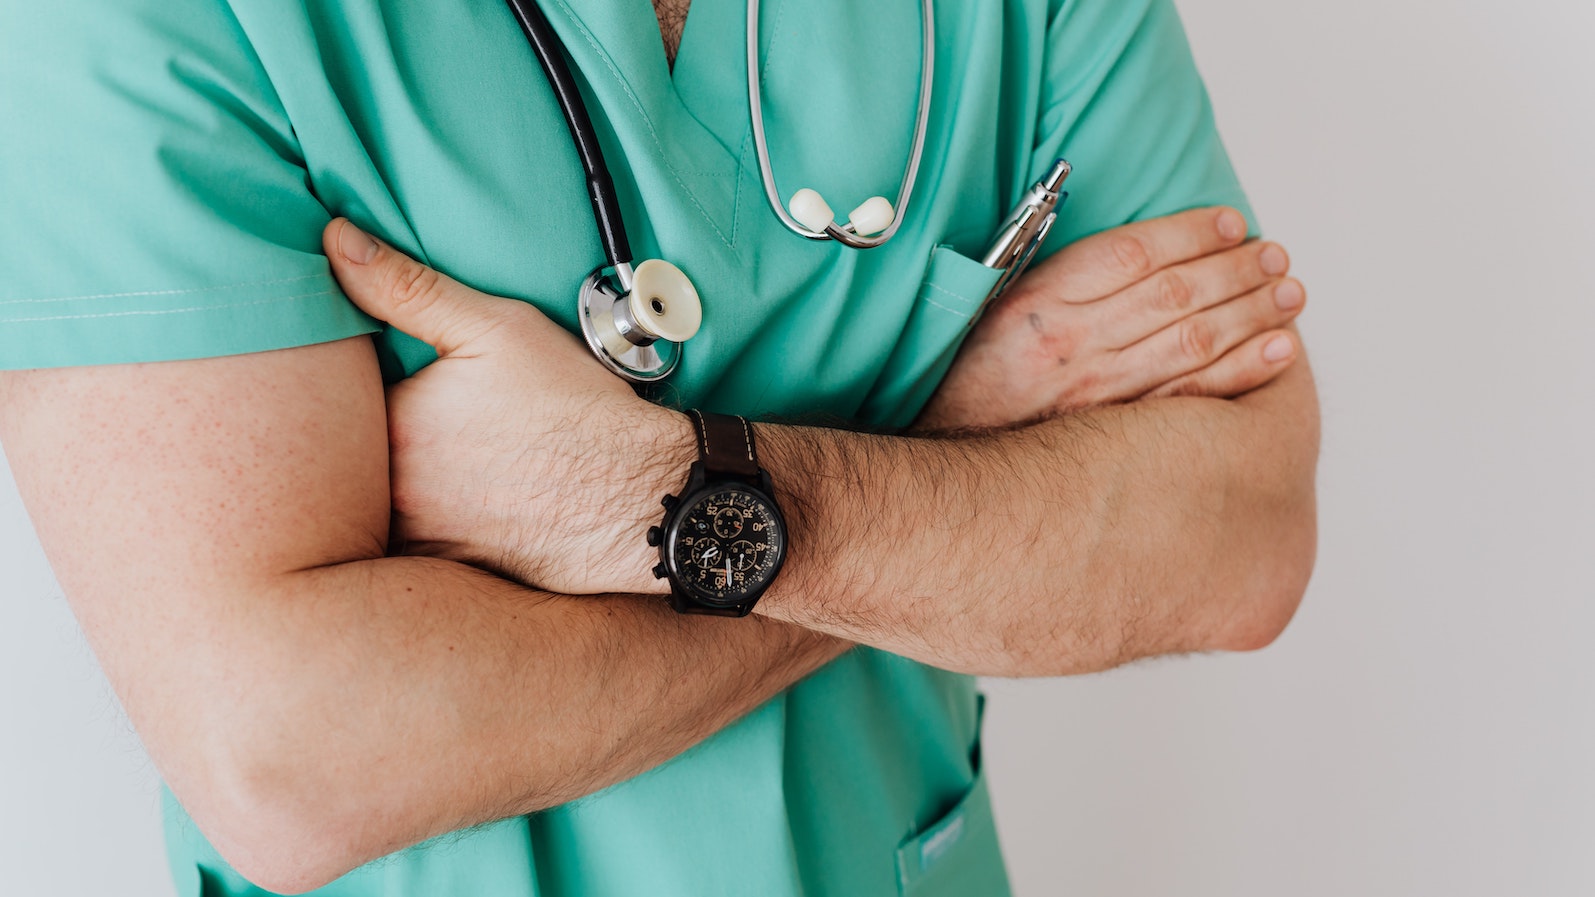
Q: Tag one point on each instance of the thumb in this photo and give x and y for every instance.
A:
(390, 286)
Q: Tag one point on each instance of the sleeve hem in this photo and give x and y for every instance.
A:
(176, 325)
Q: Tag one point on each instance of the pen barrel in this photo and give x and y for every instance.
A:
(1001, 253)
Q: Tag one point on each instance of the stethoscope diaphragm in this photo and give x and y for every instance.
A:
(636, 331)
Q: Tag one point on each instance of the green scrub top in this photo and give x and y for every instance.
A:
(168, 166)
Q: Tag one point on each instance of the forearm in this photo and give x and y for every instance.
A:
(1070, 545)
(219, 527)
(396, 699)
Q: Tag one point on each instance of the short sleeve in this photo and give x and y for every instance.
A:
(155, 203)
(1122, 101)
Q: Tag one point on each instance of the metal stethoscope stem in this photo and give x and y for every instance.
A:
(843, 234)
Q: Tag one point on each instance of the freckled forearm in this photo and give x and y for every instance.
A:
(312, 703)
(431, 696)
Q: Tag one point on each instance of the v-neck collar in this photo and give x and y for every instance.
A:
(617, 46)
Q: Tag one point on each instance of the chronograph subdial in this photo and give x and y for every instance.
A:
(728, 522)
(708, 553)
(744, 555)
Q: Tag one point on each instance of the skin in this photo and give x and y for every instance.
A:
(672, 15)
(316, 703)
(993, 516)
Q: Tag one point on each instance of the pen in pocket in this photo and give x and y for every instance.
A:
(1023, 231)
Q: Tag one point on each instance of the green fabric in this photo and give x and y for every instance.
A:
(168, 166)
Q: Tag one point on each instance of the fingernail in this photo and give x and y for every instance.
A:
(354, 245)
(1273, 260)
(1289, 295)
(1231, 226)
(1278, 349)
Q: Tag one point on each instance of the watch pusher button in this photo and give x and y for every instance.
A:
(670, 502)
(660, 572)
(654, 536)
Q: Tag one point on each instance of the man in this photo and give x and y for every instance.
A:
(318, 694)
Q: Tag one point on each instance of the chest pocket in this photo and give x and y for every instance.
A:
(954, 287)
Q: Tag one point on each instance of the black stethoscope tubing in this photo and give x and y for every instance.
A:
(600, 186)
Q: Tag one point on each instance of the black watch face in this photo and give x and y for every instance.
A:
(729, 543)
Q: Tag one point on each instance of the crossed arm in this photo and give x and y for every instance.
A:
(1072, 545)
(220, 528)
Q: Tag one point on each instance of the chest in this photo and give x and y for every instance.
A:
(436, 128)
(672, 15)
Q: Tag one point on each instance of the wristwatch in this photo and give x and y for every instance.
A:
(723, 539)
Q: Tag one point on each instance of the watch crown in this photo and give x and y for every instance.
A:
(654, 535)
(660, 571)
(670, 502)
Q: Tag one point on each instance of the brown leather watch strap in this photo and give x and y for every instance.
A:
(725, 445)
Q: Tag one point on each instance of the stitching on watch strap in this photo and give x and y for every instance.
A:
(702, 431)
(747, 437)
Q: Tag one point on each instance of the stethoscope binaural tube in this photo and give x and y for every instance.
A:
(635, 331)
(875, 221)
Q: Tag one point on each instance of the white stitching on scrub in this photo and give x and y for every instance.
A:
(173, 311)
(230, 286)
(642, 113)
(952, 311)
(959, 296)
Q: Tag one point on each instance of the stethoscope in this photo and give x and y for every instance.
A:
(635, 319)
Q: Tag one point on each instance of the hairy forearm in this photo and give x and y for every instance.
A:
(400, 698)
(1070, 545)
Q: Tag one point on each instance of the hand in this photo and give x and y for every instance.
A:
(1172, 306)
(515, 450)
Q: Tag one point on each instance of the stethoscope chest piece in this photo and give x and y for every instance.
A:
(637, 330)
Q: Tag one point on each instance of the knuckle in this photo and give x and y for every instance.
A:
(413, 284)
(1173, 292)
(1197, 340)
(517, 321)
(1130, 255)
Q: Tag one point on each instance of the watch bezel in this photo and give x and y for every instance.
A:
(689, 590)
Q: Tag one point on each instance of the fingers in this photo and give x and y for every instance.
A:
(389, 285)
(1194, 343)
(1103, 264)
(1241, 370)
(1182, 290)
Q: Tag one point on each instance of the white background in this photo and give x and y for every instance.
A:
(1427, 725)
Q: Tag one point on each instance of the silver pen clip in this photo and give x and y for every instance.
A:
(1023, 231)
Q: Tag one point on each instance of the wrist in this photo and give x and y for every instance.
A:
(667, 440)
(808, 467)
(598, 545)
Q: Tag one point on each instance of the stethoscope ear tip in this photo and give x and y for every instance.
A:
(811, 210)
(872, 217)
